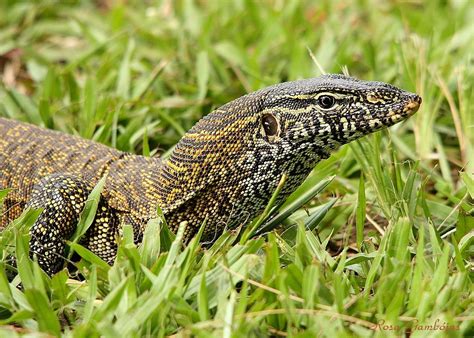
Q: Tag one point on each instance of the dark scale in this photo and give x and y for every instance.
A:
(224, 170)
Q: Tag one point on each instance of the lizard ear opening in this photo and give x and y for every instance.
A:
(270, 125)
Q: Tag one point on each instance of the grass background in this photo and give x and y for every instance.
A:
(377, 242)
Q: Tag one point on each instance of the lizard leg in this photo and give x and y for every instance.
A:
(62, 197)
(138, 226)
(101, 237)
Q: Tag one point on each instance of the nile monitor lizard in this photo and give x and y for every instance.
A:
(224, 170)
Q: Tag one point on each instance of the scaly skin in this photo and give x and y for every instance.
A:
(223, 170)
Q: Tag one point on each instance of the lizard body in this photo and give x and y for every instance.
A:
(223, 170)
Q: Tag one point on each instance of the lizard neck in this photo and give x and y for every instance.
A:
(133, 185)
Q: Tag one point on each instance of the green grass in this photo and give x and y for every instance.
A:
(380, 233)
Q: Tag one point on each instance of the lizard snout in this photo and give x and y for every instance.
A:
(413, 104)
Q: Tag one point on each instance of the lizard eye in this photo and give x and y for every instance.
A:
(270, 124)
(326, 101)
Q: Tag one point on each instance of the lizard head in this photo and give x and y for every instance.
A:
(326, 112)
(231, 161)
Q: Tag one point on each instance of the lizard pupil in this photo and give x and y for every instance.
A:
(270, 124)
(326, 101)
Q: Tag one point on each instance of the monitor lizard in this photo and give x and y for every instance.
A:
(223, 170)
